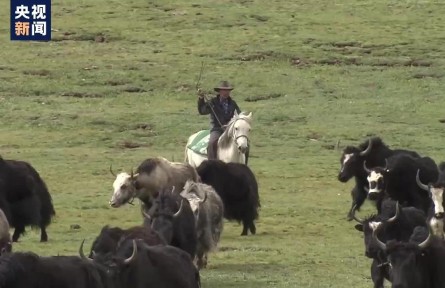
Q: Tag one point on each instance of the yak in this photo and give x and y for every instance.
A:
(414, 264)
(237, 186)
(110, 237)
(152, 176)
(24, 198)
(398, 223)
(172, 217)
(28, 270)
(5, 237)
(208, 209)
(398, 180)
(374, 151)
(138, 265)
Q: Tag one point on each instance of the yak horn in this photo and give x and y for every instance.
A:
(393, 218)
(146, 215)
(419, 183)
(427, 241)
(82, 255)
(204, 200)
(366, 168)
(180, 209)
(367, 150)
(111, 170)
(354, 216)
(133, 256)
(380, 244)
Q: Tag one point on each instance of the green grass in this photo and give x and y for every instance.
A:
(312, 73)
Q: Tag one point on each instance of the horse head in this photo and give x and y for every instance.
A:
(238, 131)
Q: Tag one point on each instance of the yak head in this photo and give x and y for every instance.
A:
(195, 196)
(351, 161)
(376, 179)
(409, 260)
(5, 246)
(369, 225)
(125, 188)
(435, 190)
(115, 262)
(163, 213)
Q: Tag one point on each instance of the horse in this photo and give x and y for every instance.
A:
(232, 144)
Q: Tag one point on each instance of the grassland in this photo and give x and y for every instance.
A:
(121, 74)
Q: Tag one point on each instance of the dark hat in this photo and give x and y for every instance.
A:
(223, 85)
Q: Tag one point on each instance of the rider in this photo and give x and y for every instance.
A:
(224, 107)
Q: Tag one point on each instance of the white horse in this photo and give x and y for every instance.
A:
(232, 144)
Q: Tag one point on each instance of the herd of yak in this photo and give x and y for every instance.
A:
(405, 238)
(182, 211)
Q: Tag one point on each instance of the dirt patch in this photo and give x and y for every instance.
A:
(183, 87)
(41, 72)
(130, 145)
(346, 44)
(378, 62)
(82, 95)
(264, 97)
(426, 74)
(133, 89)
(259, 17)
(99, 37)
(6, 68)
(142, 126)
(258, 56)
(116, 82)
(314, 136)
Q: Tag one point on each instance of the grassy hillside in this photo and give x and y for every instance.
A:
(120, 74)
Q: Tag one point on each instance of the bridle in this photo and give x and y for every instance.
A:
(240, 136)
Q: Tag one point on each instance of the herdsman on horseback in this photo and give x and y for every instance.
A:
(221, 109)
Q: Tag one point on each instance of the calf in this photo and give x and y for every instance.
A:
(236, 184)
(209, 212)
(374, 151)
(398, 226)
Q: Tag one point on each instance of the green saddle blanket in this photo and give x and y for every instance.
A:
(200, 143)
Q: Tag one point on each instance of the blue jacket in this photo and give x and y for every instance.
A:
(203, 109)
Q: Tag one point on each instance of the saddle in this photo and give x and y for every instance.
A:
(200, 143)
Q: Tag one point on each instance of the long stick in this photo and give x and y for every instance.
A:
(200, 74)
(205, 97)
